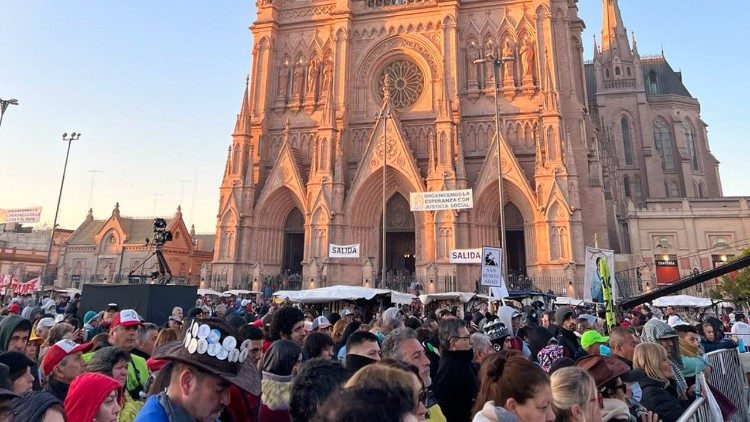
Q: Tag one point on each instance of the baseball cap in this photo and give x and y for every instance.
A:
(46, 322)
(126, 318)
(113, 306)
(592, 337)
(320, 322)
(344, 312)
(57, 352)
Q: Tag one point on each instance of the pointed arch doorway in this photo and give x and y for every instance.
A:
(294, 242)
(399, 236)
(515, 239)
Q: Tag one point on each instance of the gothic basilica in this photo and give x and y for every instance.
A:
(342, 91)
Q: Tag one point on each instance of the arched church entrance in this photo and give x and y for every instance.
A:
(400, 255)
(514, 239)
(294, 242)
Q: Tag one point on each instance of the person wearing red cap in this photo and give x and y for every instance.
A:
(122, 334)
(93, 397)
(62, 364)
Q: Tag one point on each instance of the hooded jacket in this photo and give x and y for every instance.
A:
(86, 394)
(8, 326)
(505, 315)
(492, 413)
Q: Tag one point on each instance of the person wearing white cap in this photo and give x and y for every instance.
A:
(321, 324)
(43, 326)
(61, 364)
(122, 334)
(675, 320)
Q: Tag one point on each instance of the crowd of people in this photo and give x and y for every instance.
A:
(239, 360)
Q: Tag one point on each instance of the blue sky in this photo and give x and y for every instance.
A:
(155, 86)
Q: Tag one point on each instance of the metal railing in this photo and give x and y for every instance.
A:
(698, 411)
(728, 377)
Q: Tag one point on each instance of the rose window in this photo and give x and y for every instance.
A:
(407, 82)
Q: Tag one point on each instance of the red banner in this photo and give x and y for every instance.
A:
(19, 288)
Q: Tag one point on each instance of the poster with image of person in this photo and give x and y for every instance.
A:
(599, 280)
(599, 275)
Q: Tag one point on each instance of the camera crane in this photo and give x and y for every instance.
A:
(161, 236)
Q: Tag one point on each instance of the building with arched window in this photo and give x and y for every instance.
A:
(119, 250)
(350, 108)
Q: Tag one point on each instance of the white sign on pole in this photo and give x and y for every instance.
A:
(343, 251)
(20, 215)
(442, 200)
(465, 256)
(492, 270)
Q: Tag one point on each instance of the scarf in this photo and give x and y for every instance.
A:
(689, 350)
(276, 391)
(655, 330)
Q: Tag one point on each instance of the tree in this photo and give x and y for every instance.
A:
(734, 287)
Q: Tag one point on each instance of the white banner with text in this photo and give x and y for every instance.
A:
(343, 251)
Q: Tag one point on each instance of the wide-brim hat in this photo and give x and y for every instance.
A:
(603, 369)
(212, 346)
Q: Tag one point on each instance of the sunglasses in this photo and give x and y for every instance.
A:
(423, 397)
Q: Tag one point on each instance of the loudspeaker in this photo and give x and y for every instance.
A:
(153, 302)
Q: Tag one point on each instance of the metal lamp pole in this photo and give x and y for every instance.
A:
(69, 139)
(497, 64)
(386, 112)
(4, 106)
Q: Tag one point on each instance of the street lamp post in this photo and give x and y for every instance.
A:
(497, 64)
(69, 139)
(385, 113)
(4, 106)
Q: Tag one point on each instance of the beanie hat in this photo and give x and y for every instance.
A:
(17, 364)
(88, 317)
(549, 355)
(561, 313)
(87, 393)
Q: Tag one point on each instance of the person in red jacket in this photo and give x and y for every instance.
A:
(93, 396)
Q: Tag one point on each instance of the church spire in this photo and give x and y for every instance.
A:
(242, 126)
(614, 34)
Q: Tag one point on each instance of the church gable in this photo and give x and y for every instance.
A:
(285, 173)
(511, 170)
(398, 155)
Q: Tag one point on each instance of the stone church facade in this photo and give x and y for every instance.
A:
(579, 142)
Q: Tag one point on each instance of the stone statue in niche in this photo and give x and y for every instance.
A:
(527, 60)
(508, 65)
(312, 75)
(297, 80)
(327, 71)
(283, 79)
(472, 54)
(489, 48)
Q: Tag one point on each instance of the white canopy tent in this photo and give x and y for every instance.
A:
(209, 292)
(682, 300)
(569, 301)
(333, 294)
(238, 292)
(432, 297)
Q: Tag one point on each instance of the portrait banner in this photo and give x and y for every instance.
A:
(599, 283)
(492, 271)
